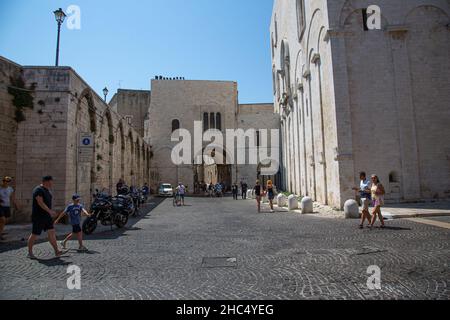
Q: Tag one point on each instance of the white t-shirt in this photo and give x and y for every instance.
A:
(5, 196)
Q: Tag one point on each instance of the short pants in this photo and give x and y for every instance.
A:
(76, 228)
(5, 212)
(42, 225)
(366, 203)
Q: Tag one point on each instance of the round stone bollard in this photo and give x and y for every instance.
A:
(250, 195)
(307, 205)
(292, 203)
(351, 209)
(281, 200)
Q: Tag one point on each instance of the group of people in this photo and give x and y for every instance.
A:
(44, 219)
(235, 190)
(371, 192)
(179, 194)
(215, 190)
(259, 193)
(145, 189)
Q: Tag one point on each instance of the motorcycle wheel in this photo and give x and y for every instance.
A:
(89, 225)
(121, 223)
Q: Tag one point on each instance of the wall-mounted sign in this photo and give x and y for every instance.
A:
(86, 148)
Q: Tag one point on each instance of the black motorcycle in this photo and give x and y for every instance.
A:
(108, 211)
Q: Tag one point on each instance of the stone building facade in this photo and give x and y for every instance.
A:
(133, 105)
(64, 111)
(177, 104)
(353, 99)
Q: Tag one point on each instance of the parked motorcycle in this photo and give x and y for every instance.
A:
(108, 211)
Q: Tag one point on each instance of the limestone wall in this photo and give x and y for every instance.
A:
(8, 124)
(185, 101)
(133, 105)
(358, 100)
(47, 142)
(258, 117)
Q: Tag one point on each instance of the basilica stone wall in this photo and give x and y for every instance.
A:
(214, 104)
(184, 102)
(133, 105)
(353, 99)
(8, 125)
(261, 118)
(64, 107)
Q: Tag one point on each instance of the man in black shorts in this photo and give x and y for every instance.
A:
(42, 217)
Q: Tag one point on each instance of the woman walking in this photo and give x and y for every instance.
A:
(378, 193)
(270, 194)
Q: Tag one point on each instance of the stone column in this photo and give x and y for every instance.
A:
(405, 114)
(344, 150)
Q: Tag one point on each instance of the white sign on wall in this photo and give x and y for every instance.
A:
(86, 147)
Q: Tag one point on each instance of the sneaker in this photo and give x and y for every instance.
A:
(83, 249)
(63, 245)
(31, 256)
(60, 253)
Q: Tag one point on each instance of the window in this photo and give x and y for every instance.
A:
(258, 138)
(393, 177)
(364, 15)
(219, 121)
(212, 121)
(129, 119)
(276, 32)
(301, 18)
(205, 122)
(175, 125)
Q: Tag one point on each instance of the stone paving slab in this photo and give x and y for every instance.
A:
(284, 256)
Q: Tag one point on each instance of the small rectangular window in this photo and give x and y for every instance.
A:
(258, 138)
(364, 14)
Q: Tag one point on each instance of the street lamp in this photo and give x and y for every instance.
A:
(59, 16)
(105, 92)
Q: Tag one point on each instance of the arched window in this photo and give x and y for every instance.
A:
(219, 121)
(175, 125)
(212, 121)
(301, 18)
(205, 122)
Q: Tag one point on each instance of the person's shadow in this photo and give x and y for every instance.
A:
(54, 262)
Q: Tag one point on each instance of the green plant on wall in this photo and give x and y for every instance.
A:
(23, 97)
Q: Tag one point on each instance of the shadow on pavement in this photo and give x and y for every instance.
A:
(103, 233)
(55, 262)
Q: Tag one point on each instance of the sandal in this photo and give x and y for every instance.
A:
(361, 226)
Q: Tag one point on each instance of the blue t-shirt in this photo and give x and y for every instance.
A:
(74, 212)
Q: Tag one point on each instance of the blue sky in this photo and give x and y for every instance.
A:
(126, 43)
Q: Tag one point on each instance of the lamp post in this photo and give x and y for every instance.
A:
(105, 92)
(59, 16)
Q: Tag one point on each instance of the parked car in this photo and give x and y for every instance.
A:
(165, 190)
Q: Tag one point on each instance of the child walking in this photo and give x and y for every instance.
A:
(75, 211)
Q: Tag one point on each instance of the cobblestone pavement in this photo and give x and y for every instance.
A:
(165, 255)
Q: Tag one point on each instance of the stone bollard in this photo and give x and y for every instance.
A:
(307, 205)
(351, 209)
(250, 195)
(281, 200)
(264, 199)
(292, 203)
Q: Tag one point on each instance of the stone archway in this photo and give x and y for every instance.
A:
(85, 123)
